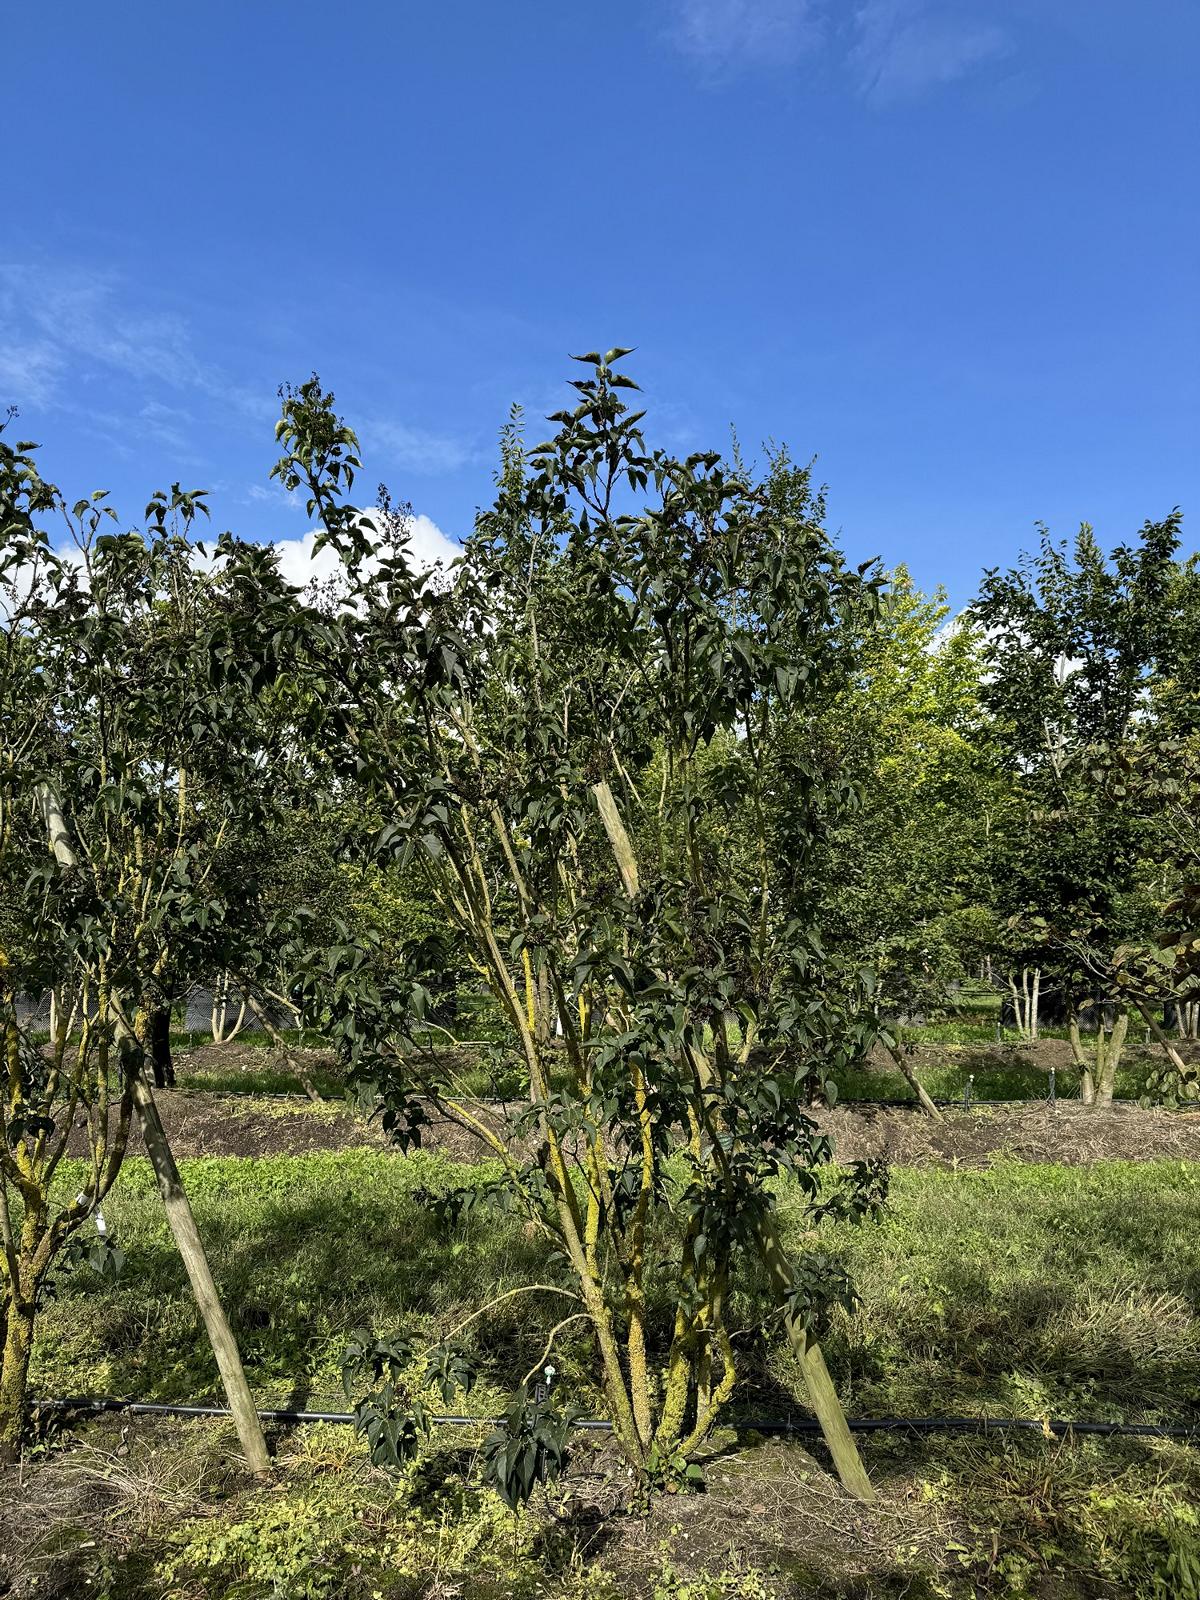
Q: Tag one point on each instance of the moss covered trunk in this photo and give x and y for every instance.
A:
(14, 1373)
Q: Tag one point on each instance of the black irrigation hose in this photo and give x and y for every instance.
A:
(1149, 1430)
(841, 1104)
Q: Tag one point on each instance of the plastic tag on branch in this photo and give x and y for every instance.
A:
(81, 1199)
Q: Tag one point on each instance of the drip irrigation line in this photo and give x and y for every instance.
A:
(842, 1103)
(772, 1425)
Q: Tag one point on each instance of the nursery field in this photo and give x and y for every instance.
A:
(651, 1058)
(992, 1287)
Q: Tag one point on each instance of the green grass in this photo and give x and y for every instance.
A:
(253, 1067)
(263, 1075)
(1012, 1289)
(1028, 1290)
(971, 1029)
(1023, 1290)
(990, 1080)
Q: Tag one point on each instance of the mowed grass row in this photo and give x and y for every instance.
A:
(1023, 1290)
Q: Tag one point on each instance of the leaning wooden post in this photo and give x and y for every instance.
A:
(914, 1083)
(191, 1249)
(614, 827)
(178, 1207)
(281, 1044)
(822, 1394)
(1159, 1034)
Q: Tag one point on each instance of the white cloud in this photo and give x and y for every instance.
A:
(430, 545)
(415, 449)
(167, 425)
(301, 565)
(274, 495)
(75, 312)
(29, 371)
(726, 33)
(894, 50)
(904, 47)
(61, 326)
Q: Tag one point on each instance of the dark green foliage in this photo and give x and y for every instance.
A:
(140, 734)
(592, 744)
(527, 1449)
(1075, 642)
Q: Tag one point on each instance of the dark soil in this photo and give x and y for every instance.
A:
(207, 1122)
(199, 1123)
(1070, 1135)
(240, 1055)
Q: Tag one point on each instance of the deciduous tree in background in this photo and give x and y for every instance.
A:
(1074, 643)
(907, 873)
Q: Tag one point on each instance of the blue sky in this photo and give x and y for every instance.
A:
(949, 247)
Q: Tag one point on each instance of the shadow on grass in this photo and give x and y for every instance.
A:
(1020, 1291)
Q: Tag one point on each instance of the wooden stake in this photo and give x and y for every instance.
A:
(821, 1391)
(918, 1088)
(617, 837)
(1156, 1030)
(191, 1249)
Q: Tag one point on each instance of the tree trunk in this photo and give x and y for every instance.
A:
(191, 1249)
(1024, 1020)
(1087, 1082)
(1108, 1059)
(821, 1392)
(159, 1039)
(217, 1014)
(1016, 1000)
(545, 1007)
(918, 1088)
(239, 1021)
(221, 1031)
(1159, 1034)
(1035, 1004)
(14, 1375)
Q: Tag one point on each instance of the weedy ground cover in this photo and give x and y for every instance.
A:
(1022, 1290)
(990, 1074)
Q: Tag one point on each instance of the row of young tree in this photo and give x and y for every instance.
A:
(705, 811)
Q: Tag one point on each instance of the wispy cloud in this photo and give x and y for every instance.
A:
(893, 50)
(167, 425)
(274, 495)
(415, 449)
(75, 316)
(75, 338)
(29, 371)
(723, 34)
(904, 47)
